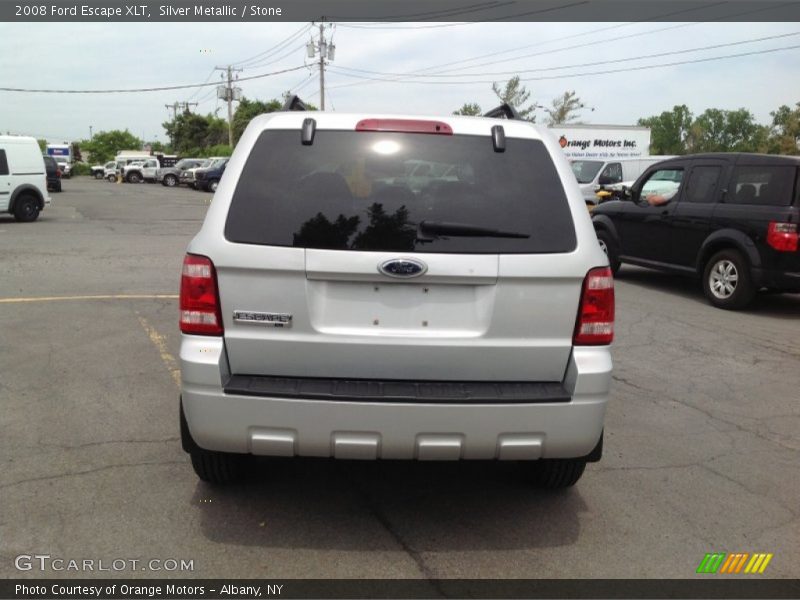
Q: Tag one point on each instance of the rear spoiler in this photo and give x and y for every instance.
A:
(294, 103)
(505, 110)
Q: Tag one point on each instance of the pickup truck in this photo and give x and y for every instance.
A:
(146, 170)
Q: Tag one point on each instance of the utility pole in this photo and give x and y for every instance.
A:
(90, 133)
(325, 51)
(174, 108)
(229, 93)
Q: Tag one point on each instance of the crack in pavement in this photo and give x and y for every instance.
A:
(89, 472)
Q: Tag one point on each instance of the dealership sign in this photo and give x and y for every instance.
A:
(599, 141)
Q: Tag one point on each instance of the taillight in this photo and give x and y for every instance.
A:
(782, 236)
(595, 324)
(200, 310)
(405, 126)
(58, 173)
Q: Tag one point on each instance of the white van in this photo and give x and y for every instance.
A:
(611, 174)
(23, 183)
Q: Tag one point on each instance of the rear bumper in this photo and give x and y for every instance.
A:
(778, 280)
(280, 426)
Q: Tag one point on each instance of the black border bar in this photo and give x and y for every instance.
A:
(710, 587)
(400, 11)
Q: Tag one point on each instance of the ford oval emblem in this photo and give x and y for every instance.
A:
(403, 267)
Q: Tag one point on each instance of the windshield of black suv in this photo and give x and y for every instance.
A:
(370, 191)
(586, 170)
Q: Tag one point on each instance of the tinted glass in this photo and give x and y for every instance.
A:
(585, 170)
(3, 163)
(369, 191)
(767, 185)
(702, 184)
(664, 182)
(612, 173)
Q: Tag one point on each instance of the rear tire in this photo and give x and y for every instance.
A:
(727, 282)
(217, 468)
(609, 246)
(26, 209)
(557, 473)
(134, 177)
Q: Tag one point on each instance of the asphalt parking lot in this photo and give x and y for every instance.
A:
(702, 440)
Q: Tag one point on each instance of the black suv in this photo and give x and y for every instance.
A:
(207, 178)
(53, 173)
(729, 218)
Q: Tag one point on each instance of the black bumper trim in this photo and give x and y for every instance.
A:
(375, 390)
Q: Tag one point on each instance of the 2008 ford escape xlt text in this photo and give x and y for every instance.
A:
(391, 287)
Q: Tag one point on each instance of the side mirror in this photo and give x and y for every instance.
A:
(604, 180)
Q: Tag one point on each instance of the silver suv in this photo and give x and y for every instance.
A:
(332, 305)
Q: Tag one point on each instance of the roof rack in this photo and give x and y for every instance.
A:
(294, 103)
(504, 110)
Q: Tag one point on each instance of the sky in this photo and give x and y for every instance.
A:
(552, 57)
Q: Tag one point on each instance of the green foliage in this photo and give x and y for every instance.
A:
(190, 132)
(80, 169)
(515, 94)
(727, 131)
(785, 130)
(247, 110)
(564, 109)
(105, 145)
(43, 146)
(470, 109)
(218, 150)
(669, 131)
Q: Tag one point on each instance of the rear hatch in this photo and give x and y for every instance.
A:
(387, 253)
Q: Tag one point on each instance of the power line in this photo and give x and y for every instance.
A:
(151, 89)
(574, 66)
(587, 74)
(197, 91)
(276, 47)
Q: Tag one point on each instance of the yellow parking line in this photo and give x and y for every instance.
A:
(98, 297)
(161, 345)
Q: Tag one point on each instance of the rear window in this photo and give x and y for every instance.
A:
(585, 170)
(768, 185)
(369, 191)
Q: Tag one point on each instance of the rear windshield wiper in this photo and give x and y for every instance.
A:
(434, 228)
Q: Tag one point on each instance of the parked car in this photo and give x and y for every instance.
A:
(141, 170)
(171, 176)
(97, 171)
(207, 178)
(23, 182)
(729, 219)
(359, 320)
(187, 175)
(53, 174)
(64, 165)
(110, 170)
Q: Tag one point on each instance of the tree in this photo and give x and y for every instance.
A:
(43, 145)
(105, 145)
(785, 131)
(247, 110)
(565, 109)
(515, 94)
(727, 131)
(469, 110)
(669, 131)
(190, 133)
